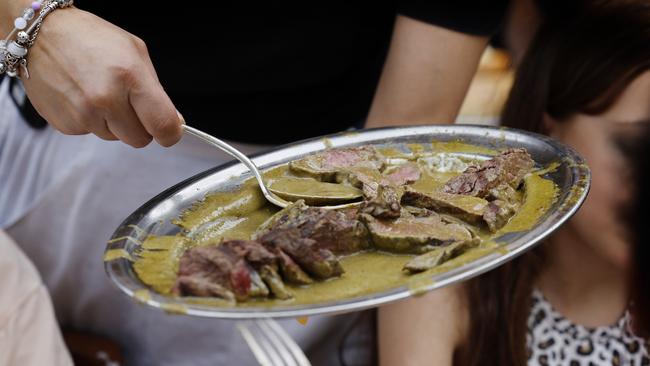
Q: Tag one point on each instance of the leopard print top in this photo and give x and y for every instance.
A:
(554, 340)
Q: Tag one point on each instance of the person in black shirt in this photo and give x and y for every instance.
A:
(254, 72)
(245, 71)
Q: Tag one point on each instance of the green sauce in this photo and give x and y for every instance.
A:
(237, 214)
(114, 254)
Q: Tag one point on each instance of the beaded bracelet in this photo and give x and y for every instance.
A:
(13, 54)
(20, 23)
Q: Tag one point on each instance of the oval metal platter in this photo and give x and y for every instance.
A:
(572, 177)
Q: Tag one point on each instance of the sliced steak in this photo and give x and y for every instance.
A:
(291, 271)
(410, 234)
(474, 210)
(329, 163)
(440, 255)
(338, 232)
(273, 280)
(202, 286)
(509, 168)
(318, 262)
(381, 197)
(218, 270)
(383, 193)
(252, 251)
(384, 202)
(467, 208)
(503, 205)
(265, 262)
(404, 174)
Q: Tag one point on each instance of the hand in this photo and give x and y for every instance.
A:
(89, 76)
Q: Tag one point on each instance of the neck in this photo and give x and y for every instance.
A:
(581, 284)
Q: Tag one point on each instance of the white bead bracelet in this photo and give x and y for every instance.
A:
(13, 53)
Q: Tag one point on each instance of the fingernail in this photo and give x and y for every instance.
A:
(180, 116)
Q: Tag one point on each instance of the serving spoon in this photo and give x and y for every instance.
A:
(272, 195)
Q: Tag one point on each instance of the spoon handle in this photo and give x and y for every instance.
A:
(230, 150)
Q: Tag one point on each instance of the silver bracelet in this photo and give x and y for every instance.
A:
(13, 53)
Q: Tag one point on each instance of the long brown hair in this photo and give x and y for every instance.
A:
(579, 63)
(641, 276)
(634, 142)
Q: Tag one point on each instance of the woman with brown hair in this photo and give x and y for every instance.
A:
(585, 81)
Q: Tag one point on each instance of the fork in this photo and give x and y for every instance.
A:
(270, 344)
(268, 193)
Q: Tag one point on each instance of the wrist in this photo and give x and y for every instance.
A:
(9, 11)
(15, 49)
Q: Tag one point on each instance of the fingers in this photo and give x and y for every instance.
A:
(114, 95)
(102, 131)
(70, 120)
(144, 54)
(135, 109)
(156, 111)
(159, 122)
(180, 117)
(126, 126)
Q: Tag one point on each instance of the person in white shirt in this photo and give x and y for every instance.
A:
(29, 333)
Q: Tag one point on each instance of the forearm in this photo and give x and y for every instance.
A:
(10, 10)
(426, 75)
(422, 331)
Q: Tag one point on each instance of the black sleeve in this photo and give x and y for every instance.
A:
(477, 17)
